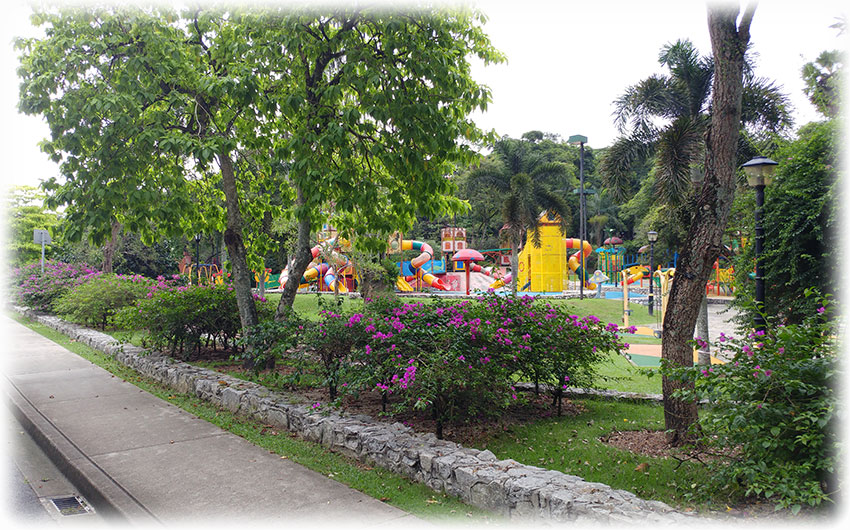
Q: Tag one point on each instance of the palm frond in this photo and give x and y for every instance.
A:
(765, 107)
(679, 147)
(625, 154)
(651, 98)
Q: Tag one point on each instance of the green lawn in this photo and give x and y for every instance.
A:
(572, 445)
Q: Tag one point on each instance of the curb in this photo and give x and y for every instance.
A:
(111, 500)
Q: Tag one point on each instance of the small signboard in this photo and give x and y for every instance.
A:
(40, 237)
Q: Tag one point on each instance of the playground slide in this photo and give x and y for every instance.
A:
(313, 273)
(402, 285)
(635, 273)
(417, 262)
(574, 262)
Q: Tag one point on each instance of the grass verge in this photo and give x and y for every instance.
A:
(381, 484)
(572, 445)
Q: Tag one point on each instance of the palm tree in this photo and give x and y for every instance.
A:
(666, 117)
(520, 174)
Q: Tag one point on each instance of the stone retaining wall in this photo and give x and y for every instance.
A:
(477, 477)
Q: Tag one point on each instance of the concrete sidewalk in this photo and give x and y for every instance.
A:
(138, 458)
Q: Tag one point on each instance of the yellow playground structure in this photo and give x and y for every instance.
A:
(546, 268)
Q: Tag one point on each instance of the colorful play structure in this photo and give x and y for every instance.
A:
(547, 268)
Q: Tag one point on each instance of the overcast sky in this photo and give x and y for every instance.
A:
(567, 62)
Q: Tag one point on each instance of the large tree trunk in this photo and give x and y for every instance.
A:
(109, 249)
(236, 245)
(703, 243)
(303, 257)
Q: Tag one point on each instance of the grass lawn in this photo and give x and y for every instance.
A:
(571, 444)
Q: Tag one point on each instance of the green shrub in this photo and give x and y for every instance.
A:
(272, 340)
(95, 302)
(775, 403)
(185, 319)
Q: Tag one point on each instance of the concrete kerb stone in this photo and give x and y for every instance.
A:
(476, 477)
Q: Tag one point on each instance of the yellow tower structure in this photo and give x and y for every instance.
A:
(545, 267)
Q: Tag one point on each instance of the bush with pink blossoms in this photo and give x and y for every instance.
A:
(39, 291)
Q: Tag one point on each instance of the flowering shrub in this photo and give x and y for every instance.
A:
(38, 291)
(332, 339)
(180, 317)
(95, 302)
(460, 360)
(775, 403)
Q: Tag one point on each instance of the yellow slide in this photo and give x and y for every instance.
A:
(403, 285)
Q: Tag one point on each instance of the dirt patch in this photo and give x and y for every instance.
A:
(648, 443)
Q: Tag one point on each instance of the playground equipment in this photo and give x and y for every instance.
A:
(575, 261)
(599, 278)
(546, 268)
(468, 256)
(665, 281)
(207, 274)
(327, 272)
(634, 273)
(722, 283)
(417, 262)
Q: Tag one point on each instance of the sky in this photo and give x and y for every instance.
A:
(567, 62)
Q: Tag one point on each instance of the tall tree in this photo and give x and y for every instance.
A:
(729, 40)
(520, 175)
(373, 117)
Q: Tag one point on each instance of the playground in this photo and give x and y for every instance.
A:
(559, 268)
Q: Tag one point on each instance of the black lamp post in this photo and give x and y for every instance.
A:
(580, 140)
(759, 172)
(197, 250)
(652, 236)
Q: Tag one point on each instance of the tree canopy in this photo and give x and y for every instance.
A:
(358, 114)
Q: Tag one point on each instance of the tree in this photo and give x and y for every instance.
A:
(665, 117)
(140, 102)
(373, 117)
(824, 81)
(729, 41)
(519, 175)
(801, 224)
(25, 214)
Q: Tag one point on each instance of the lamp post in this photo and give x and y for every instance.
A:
(759, 172)
(652, 236)
(580, 140)
(197, 249)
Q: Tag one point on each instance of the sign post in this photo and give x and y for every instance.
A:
(41, 237)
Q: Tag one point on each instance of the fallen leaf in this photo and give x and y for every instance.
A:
(642, 467)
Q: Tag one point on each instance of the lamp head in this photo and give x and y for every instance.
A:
(759, 171)
(652, 236)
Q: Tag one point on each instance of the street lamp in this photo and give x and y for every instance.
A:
(759, 172)
(197, 250)
(580, 140)
(652, 236)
